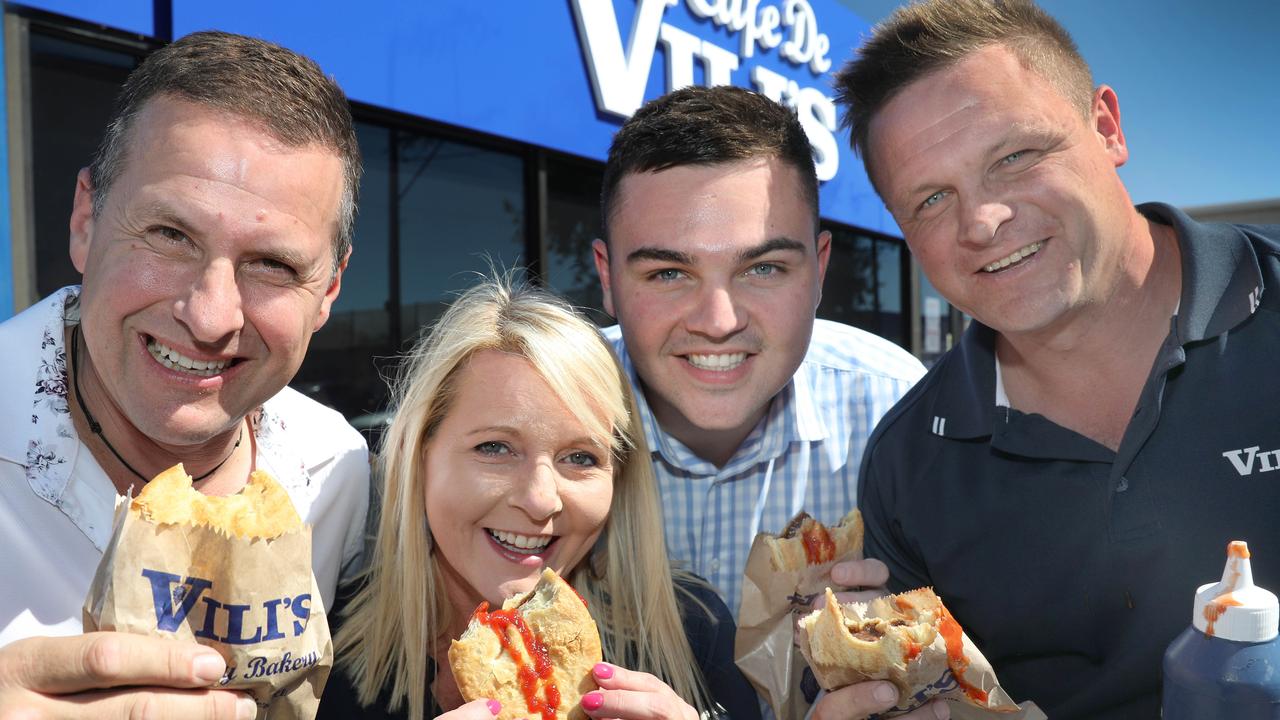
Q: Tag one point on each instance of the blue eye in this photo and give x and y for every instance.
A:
(585, 459)
(666, 275)
(1012, 158)
(764, 270)
(493, 448)
(933, 199)
(275, 266)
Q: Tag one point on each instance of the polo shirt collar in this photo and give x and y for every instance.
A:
(1221, 280)
(964, 404)
(1221, 286)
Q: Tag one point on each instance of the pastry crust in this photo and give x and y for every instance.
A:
(843, 648)
(261, 510)
(557, 619)
(805, 542)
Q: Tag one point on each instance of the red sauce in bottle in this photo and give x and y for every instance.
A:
(952, 635)
(818, 545)
(530, 676)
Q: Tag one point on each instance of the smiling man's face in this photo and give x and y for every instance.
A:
(1006, 194)
(207, 270)
(714, 276)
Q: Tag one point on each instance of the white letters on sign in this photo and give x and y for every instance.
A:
(619, 76)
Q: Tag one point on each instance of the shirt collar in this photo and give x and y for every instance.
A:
(61, 471)
(1221, 285)
(1221, 279)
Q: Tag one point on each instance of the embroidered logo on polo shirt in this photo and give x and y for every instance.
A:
(939, 425)
(1255, 299)
(1246, 460)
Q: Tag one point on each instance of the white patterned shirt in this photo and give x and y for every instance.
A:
(803, 455)
(57, 504)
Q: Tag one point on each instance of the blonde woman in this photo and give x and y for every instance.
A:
(514, 447)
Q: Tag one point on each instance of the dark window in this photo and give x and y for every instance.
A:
(348, 356)
(864, 285)
(73, 87)
(461, 207)
(572, 223)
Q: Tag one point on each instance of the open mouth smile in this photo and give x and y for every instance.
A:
(717, 362)
(1014, 258)
(175, 360)
(521, 544)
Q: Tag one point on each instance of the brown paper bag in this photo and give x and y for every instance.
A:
(254, 601)
(946, 665)
(772, 601)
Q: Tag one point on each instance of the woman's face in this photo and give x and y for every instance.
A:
(514, 483)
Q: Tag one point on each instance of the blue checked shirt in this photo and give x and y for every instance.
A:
(804, 454)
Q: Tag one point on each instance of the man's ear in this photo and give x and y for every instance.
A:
(331, 293)
(81, 221)
(1106, 122)
(824, 257)
(600, 254)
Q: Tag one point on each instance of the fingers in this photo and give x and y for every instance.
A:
(106, 659)
(860, 700)
(869, 573)
(630, 695)
(149, 704)
(474, 710)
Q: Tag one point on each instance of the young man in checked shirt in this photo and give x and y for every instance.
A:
(712, 262)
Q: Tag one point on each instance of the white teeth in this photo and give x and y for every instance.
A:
(521, 542)
(717, 362)
(1017, 255)
(174, 360)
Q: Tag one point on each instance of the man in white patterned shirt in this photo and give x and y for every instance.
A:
(712, 262)
(211, 231)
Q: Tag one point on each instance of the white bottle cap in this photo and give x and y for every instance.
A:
(1236, 609)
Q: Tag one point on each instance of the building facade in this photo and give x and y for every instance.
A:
(483, 125)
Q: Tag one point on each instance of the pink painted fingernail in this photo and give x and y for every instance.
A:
(604, 671)
(495, 707)
(592, 700)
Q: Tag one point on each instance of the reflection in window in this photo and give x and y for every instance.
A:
(73, 87)
(461, 208)
(935, 323)
(349, 355)
(572, 222)
(863, 286)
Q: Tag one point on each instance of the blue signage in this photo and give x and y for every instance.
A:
(564, 74)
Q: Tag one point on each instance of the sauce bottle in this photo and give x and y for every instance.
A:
(1227, 664)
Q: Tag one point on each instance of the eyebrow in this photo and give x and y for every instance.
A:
(584, 440)
(658, 254)
(778, 244)
(1020, 134)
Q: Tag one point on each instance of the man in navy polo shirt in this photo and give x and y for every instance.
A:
(1072, 471)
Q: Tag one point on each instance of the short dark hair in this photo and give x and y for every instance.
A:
(284, 92)
(931, 35)
(707, 126)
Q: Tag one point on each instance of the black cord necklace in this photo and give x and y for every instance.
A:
(96, 428)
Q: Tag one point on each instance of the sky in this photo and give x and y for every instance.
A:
(1199, 89)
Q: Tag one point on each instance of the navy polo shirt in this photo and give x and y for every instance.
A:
(1070, 565)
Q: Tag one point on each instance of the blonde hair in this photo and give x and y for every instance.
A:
(386, 640)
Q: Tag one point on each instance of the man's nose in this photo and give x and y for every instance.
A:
(982, 220)
(539, 498)
(716, 312)
(212, 309)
